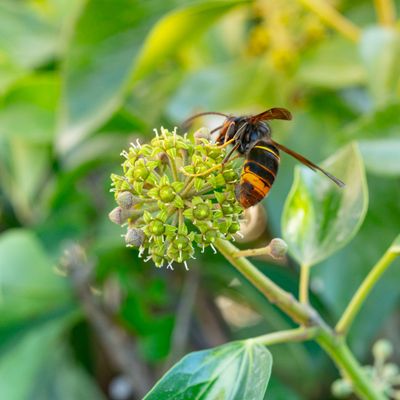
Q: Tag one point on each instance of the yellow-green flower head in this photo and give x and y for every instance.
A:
(167, 211)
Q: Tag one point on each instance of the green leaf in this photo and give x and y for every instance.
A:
(380, 52)
(99, 61)
(26, 41)
(29, 285)
(237, 370)
(378, 136)
(334, 64)
(27, 127)
(38, 366)
(319, 218)
(178, 28)
(381, 156)
(28, 110)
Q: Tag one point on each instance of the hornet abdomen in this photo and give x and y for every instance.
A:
(258, 173)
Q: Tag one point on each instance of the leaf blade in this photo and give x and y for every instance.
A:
(318, 218)
(234, 370)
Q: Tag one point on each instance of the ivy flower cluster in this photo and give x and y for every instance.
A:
(167, 211)
(384, 374)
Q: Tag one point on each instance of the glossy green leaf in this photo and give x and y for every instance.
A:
(380, 52)
(178, 28)
(319, 218)
(100, 62)
(107, 39)
(29, 285)
(238, 370)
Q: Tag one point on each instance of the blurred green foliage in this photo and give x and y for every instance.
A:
(81, 79)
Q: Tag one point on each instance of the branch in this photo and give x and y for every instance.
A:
(275, 294)
(116, 342)
(290, 335)
(386, 12)
(333, 18)
(366, 287)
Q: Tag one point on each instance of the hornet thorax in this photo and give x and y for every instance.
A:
(245, 133)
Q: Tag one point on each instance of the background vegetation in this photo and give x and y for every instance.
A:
(79, 80)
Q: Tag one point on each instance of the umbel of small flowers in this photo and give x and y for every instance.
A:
(384, 374)
(166, 211)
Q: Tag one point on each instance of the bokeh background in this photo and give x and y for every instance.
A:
(80, 80)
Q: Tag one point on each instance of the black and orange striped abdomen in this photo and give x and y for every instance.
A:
(258, 173)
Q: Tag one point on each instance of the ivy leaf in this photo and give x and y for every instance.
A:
(319, 218)
(177, 28)
(237, 370)
(380, 52)
(103, 63)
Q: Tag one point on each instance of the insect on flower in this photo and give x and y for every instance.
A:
(251, 137)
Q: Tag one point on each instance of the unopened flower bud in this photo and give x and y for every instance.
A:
(134, 237)
(390, 371)
(341, 389)
(382, 349)
(119, 216)
(125, 200)
(278, 248)
(167, 194)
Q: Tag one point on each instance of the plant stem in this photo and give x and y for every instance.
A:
(261, 251)
(364, 290)
(386, 12)
(173, 168)
(337, 349)
(304, 283)
(333, 18)
(275, 294)
(334, 345)
(290, 335)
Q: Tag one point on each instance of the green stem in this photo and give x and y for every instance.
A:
(304, 283)
(275, 294)
(333, 345)
(364, 290)
(337, 349)
(173, 168)
(386, 12)
(290, 335)
(333, 18)
(189, 184)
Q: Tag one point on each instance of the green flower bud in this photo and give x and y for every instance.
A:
(167, 210)
(140, 173)
(390, 371)
(156, 227)
(201, 211)
(341, 389)
(230, 176)
(167, 194)
(234, 227)
(382, 349)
